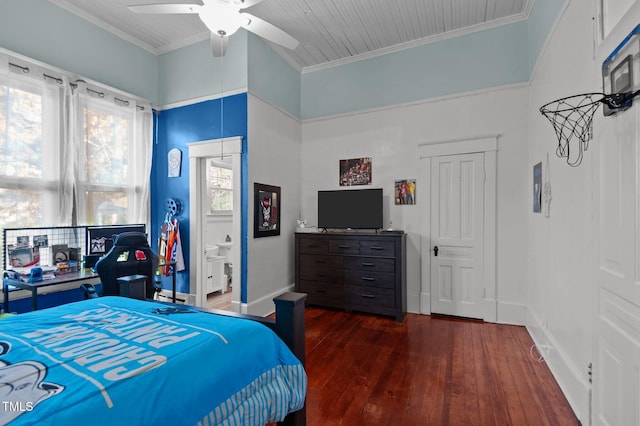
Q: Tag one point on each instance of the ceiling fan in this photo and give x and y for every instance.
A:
(223, 18)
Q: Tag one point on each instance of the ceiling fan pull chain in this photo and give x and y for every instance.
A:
(221, 107)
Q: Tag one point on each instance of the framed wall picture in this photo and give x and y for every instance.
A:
(405, 191)
(267, 210)
(356, 171)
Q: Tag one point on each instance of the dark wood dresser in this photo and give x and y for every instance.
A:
(355, 271)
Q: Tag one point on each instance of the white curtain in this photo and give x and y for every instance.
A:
(139, 212)
(64, 182)
(46, 156)
(71, 139)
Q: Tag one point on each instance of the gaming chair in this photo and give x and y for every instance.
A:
(130, 255)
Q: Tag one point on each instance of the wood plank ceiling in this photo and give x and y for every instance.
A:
(329, 31)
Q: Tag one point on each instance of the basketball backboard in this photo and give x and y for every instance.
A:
(621, 69)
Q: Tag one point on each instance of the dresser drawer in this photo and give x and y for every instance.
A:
(375, 264)
(369, 279)
(344, 246)
(377, 248)
(319, 272)
(319, 262)
(323, 293)
(369, 299)
(313, 245)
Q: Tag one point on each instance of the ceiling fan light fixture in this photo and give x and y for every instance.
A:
(221, 20)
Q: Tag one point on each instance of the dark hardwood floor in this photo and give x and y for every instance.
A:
(429, 370)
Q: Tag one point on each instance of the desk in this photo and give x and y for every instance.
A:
(84, 275)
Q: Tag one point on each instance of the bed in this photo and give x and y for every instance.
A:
(114, 360)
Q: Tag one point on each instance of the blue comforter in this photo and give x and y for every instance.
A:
(122, 361)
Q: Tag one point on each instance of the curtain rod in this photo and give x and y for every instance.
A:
(74, 85)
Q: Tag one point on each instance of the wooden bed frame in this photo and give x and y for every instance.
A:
(289, 326)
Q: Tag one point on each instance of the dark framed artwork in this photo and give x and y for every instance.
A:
(267, 210)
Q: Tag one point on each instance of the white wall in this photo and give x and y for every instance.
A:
(274, 159)
(562, 266)
(218, 227)
(391, 136)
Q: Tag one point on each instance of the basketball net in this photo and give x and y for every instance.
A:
(572, 118)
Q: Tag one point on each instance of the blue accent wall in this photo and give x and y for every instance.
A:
(175, 128)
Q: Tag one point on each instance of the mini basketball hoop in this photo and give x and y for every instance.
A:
(572, 117)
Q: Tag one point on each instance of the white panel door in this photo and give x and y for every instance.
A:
(616, 364)
(457, 203)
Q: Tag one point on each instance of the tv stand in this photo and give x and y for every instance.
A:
(355, 271)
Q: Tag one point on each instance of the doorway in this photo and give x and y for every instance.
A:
(458, 228)
(229, 151)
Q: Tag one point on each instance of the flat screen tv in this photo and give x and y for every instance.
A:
(350, 209)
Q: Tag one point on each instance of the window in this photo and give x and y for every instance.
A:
(104, 185)
(114, 162)
(219, 186)
(28, 178)
(69, 154)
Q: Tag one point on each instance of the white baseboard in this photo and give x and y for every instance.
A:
(265, 306)
(238, 307)
(507, 313)
(413, 303)
(425, 303)
(511, 313)
(568, 376)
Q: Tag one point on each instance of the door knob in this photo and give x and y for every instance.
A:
(435, 250)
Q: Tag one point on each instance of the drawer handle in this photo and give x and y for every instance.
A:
(368, 264)
(321, 275)
(376, 248)
(321, 261)
(321, 291)
(367, 279)
(369, 296)
(344, 246)
(313, 246)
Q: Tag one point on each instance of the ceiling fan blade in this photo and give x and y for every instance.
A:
(268, 31)
(165, 8)
(218, 44)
